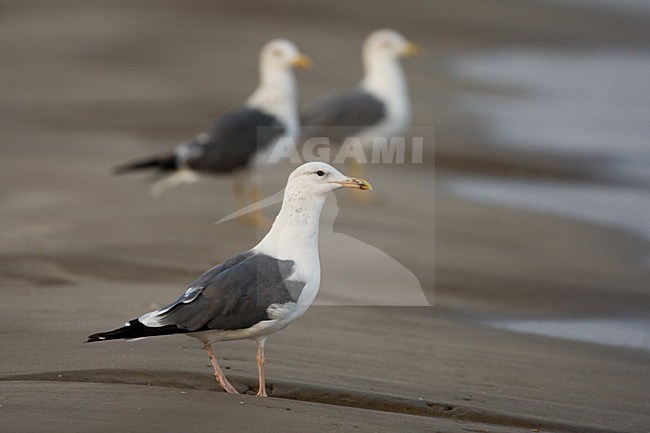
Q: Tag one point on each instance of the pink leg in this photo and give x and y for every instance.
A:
(218, 374)
(260, 366)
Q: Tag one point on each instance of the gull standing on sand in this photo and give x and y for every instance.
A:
(258, 292)
(241, 139)
(377, 107)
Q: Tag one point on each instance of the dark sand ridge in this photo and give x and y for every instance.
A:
(87, 86)
(324, 395)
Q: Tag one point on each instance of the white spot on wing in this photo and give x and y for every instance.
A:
(191, 294)
(153, 318)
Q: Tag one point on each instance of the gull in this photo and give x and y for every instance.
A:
(377, 107)
(240, 140)
(258, 292)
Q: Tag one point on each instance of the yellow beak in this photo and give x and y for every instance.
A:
(411, 50)
(302, 62)
(352, 182)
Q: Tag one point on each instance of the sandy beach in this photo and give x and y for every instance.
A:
(88, 85)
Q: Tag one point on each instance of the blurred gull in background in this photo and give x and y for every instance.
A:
(240, 140)
(378, 106)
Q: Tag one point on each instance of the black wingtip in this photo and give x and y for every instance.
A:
(134, 329)
(119, 333)
(95, 337)
(162, 163)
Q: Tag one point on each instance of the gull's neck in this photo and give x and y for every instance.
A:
(276, 95)
(294, 234)
(384, 77)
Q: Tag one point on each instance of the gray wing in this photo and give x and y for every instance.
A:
(342, 115)
(233, 295)
(231, 142)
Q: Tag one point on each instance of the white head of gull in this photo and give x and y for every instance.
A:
(383, 73)
(276, 93)
(258, 292)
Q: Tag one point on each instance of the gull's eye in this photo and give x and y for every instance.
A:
(320, 172)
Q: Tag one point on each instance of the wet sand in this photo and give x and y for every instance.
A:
(88, 86)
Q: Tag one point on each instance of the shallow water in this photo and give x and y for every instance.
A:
(589, 105)
(618, 207)
(593, 103)
(626, 332)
